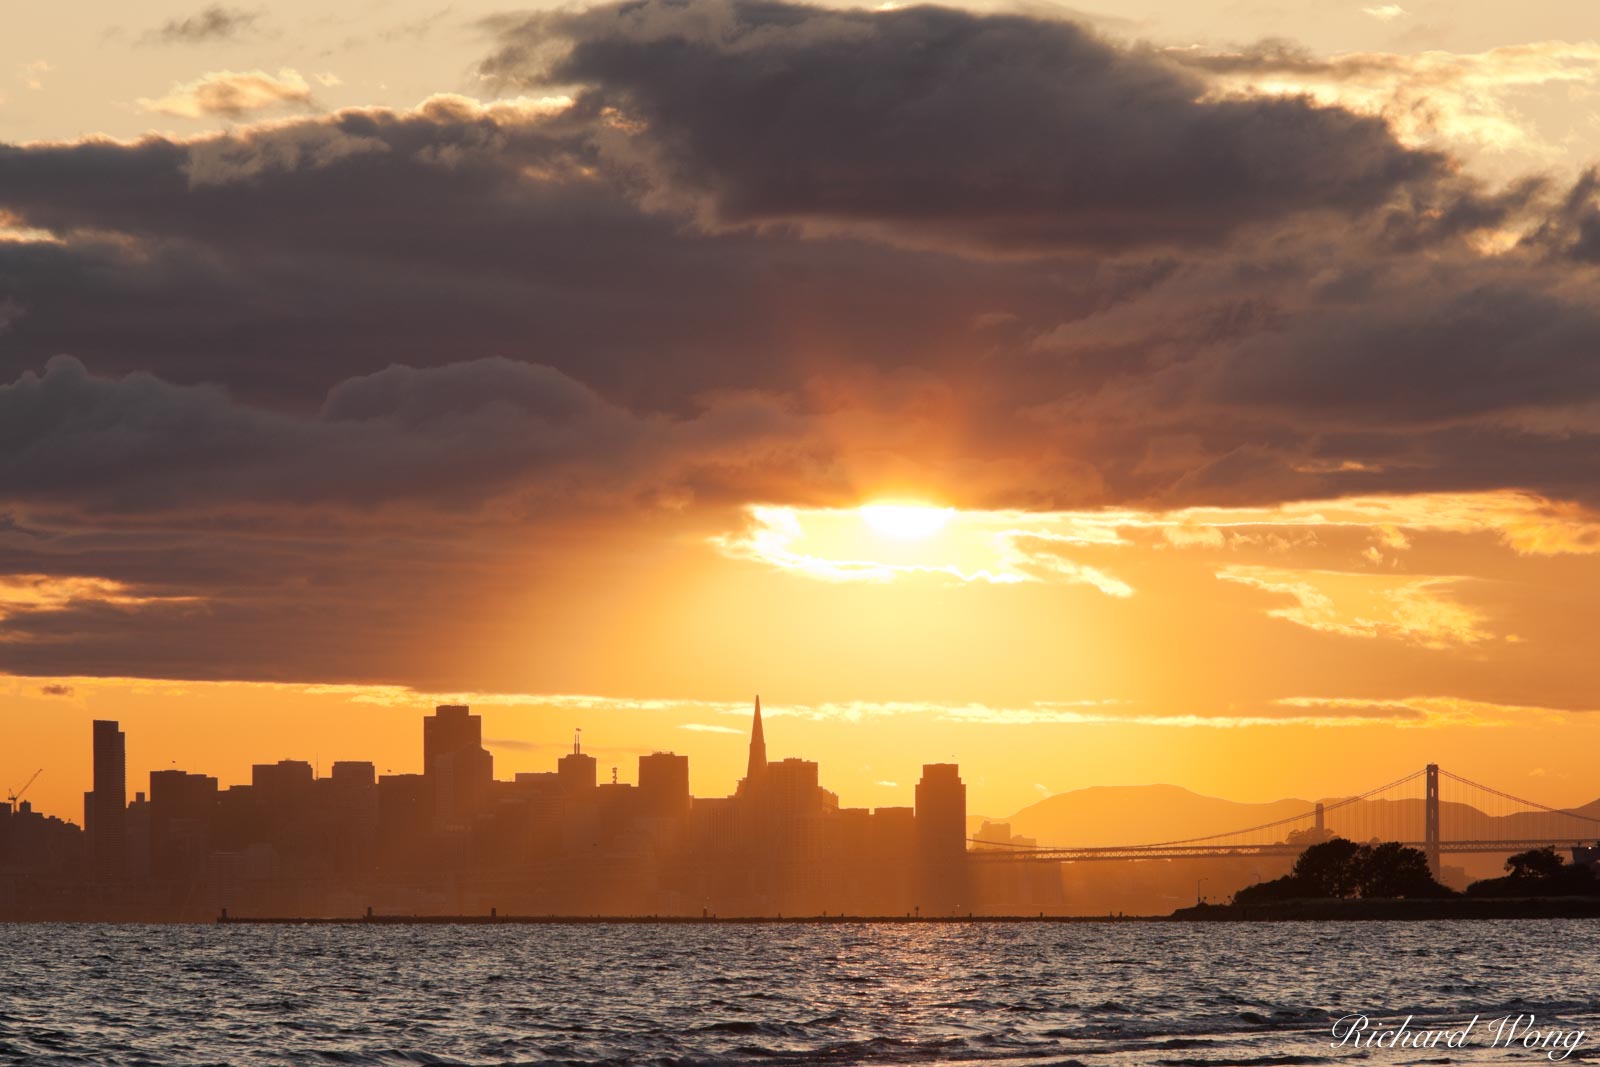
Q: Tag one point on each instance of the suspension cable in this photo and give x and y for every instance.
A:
(1336, 805)
(1519, 800)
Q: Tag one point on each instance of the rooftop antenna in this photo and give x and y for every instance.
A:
(577, 736)
(613, 776)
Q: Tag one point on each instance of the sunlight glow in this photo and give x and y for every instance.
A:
(905, 522)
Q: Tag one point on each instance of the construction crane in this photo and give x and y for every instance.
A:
(16, 795)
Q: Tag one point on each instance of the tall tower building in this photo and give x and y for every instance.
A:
(942, 840)
(456, 764)
(756, 768)
(664, 786)
(450, 729)
(108, 803)
(576, 770)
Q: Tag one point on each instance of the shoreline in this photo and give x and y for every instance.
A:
(674, 920)
(1330, 910)
(1459, 908)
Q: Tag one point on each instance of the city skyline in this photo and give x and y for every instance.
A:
(720, 758)
(459, 838)
(561, 841)
(372, 721)
(575, 365)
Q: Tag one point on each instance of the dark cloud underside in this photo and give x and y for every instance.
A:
(770, 253)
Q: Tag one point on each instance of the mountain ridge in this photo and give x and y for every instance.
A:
(1147, 814)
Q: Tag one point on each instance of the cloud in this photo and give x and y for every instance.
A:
(1429, 98)
(1430, 710)
(1412, 710)
(831, 545)
(519, 224)
(776, 112)
(1097, 298)
(31, 74)
(20, 593)
(437, 437)
(1289, 711)
(1414, 609)
(514, 745)
(1007, 547)
(212, 24)
(1526, 523)
(232, 94)
(56, 690)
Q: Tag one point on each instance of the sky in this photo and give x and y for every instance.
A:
(1203, 393)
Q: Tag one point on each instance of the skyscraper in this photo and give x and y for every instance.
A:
(457, 766)
(756, 767)
(942, 839)
(183, 812)
(450, 729)
(576, 769)
(107, 809)
(664, 786)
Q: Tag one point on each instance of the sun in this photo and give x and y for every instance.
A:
(905, 522)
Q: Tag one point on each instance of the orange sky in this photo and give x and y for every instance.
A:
(1253, 653)
(1177, 393)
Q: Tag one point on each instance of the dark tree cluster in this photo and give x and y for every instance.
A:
(1341, 868)
(1539, 872)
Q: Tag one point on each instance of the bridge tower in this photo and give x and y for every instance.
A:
(1430, 831)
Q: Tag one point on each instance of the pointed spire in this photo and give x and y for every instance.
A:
(758, 747)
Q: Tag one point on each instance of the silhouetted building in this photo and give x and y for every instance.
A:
(136, 857)
(458, 767)
(105, 814)
(405, 807)
(183, 813)
(355, 773)
(454, 840)
(895, 850)
(281, 784)
(283, 799)
(756, 763)
(346, 819)
(664, 786)
(577, 770)
(942, 840)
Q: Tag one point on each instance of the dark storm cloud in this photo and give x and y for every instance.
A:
(1000, 131)
(439, 436)
(1460, 350)
(295, 386)
(214, 23)
(1573, 229)
(265, 260)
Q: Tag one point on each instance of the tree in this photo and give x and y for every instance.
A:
(1286, 888)
(1536, 864)
(1540, 872)
(1342, 868)
(1326, 870)
(1393, 870)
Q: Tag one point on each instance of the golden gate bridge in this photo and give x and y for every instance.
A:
(1431, 809)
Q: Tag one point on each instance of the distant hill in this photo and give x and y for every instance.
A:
(1145, 814)
(1138, 814)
